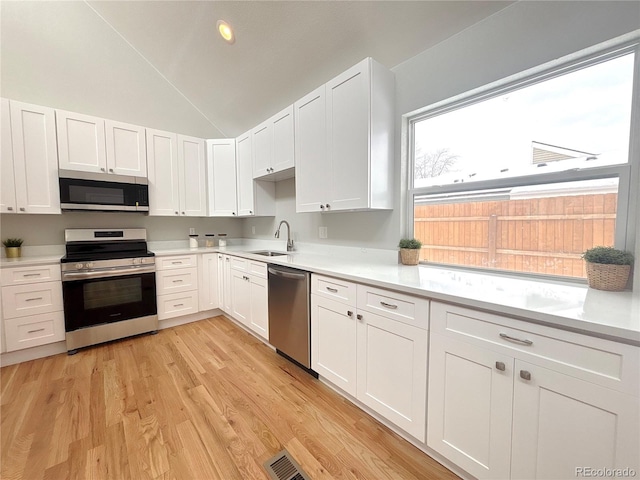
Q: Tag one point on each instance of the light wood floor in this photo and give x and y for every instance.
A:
(200, 401)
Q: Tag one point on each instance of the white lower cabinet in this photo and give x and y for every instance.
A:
(249, 294)
(509, 399)
(378, 359)
(177, 286)
(240, 291)
(208, 279)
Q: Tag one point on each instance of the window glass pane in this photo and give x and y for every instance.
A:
(536, 229)
(577, 120)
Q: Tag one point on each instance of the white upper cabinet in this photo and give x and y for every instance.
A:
(358, 132)
(255, 198)
(312, 173)
(162, 151)
(126, 149)
(29, 159)
(221, 177)
(92, 144)
(273, 147)
(192, 176)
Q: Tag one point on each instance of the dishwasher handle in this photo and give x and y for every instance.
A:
(280, 273)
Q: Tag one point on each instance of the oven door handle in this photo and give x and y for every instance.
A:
(117, 272)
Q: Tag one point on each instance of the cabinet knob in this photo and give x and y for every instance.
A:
(321, 207)
(500, 366)
(10, 209)
(111, 170)
(233, 213)
(349, 313)
(176, 213)
(268, 170)
(359, 317)
(525, 375)
(22, 209)
(102, 169)
(183, 213)
(250, 212)
(327, 206)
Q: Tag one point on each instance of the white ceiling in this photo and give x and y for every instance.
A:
(283, 49)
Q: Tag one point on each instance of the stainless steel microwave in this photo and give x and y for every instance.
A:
(81, 191)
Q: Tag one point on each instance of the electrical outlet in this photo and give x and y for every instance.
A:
(192, 231)
(253, 230)
(322, 232)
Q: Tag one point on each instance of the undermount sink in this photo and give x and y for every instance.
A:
(269, 253)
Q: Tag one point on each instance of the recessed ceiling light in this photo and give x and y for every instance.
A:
(226, 32)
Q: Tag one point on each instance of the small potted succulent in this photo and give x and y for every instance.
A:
(608, 268)
(410, 251)
(13, 247)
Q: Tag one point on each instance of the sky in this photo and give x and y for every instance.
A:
(587, 110)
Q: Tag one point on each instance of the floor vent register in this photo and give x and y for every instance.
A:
(284, 467)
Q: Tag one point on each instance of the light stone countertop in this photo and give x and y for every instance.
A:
(611, 315)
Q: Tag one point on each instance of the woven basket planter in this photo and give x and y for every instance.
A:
(612, 278)
(410, 256)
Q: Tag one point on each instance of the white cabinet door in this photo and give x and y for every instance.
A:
(333, 337)
(126, 149)
(470, 405)
(283, 140)
(192, 175)
(259, 306)
(33, 133)
(81, 142)
(208, 281)
(162, 152)
(246, 204)
(221, 178)
(240, 291)
(312, 170)
(8, 186)
(262, 139)
(561, 423)
(226, 281)
(348, 117)
(392, 371)
(221, 282)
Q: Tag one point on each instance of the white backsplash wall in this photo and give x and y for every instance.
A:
(354, 229)
(49, 229)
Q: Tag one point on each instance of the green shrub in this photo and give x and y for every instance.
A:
(608, 256)
(412, 243)
(13, 242)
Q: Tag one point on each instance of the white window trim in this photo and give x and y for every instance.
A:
(628, 207)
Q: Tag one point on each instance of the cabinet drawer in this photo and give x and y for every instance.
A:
(32, 274)
(404, 308)
(178, 280)
(611, 364)
(23, 300)
(258, 268)
(177, 304)
(34, 330)
(334, 288)
(177, 261)
(239, 264)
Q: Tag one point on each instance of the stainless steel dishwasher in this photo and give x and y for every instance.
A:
(290, 314)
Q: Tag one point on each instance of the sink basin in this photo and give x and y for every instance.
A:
(269, 253)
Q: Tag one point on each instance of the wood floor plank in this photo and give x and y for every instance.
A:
(202, 401)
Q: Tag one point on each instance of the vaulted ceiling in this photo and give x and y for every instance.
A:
(282, 51)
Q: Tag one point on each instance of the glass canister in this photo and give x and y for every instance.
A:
(193, 241)
(209, 241)
(222, 239)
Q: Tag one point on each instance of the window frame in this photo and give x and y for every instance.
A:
(628, 209)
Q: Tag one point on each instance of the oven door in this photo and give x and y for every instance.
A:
(97, 301)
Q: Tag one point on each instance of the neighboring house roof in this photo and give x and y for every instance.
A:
(545, 153)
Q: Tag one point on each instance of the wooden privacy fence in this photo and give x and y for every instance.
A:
(542, 235)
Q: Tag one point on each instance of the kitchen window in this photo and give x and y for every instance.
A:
(527, 175)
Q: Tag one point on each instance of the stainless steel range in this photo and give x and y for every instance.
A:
(108, 286)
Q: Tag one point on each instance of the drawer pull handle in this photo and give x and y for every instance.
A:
(31, 275)
(177, 281)
(179, 305)
(514, 339)
(36, 330)
(500, 366)
(332, 290)
(389, 305)
(33, 299)
(525, 375)
(176, 263)
(349, 313)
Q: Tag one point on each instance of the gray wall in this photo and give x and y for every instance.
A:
(517, 38)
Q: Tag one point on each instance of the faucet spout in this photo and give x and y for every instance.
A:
(289, 241)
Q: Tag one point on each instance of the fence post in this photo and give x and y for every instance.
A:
(493, 234)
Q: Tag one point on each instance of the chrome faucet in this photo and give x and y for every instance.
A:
(289, 241)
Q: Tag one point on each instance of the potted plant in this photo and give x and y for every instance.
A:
(410, 251)
(608, 268)
(13, 247)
